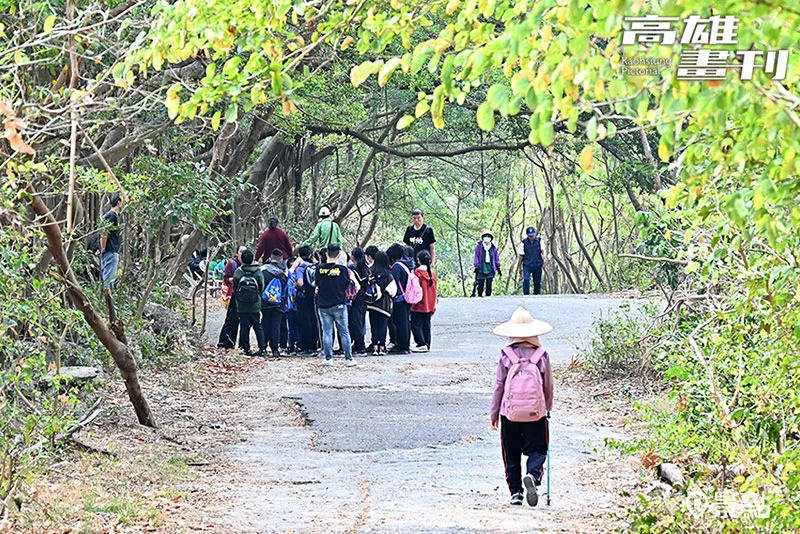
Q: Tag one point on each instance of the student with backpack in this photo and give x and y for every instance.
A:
(408, 292)
(381, 287)
(304, 299)
(521, 403)
(273, 300)
(486, 262)
(227, 336)
(248, 285)
(422, 311)
(356, 315)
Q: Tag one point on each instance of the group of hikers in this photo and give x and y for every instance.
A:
(296, 297)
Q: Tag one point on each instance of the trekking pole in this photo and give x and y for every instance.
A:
(548, 458)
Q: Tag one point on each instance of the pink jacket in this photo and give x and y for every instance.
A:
(524, 351)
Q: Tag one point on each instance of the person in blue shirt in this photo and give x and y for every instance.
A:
(532, 258)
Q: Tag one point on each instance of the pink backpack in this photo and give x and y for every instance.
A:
(523, 396)
(412, 293)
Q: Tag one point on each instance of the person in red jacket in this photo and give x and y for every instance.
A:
(272, 238)
(422, 311)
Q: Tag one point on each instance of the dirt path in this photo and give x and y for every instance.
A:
(402, 444)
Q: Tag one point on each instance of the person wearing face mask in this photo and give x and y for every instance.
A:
(487, 263)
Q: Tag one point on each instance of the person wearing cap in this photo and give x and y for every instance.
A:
(521, 403)
(331, 280)
(110, 242)
(420, 236)
(273, 238)
(486, 262)
(532, 260)
(326, 232)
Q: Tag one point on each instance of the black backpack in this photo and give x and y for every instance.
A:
(93, 242)
(247, 291)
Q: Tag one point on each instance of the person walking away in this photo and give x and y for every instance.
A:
(306, 314)
(487, 263)
(521, 403)
(273, 300)
(380, 290)
(422, 311)
(326, 232)
(248, 285)
(272, 238)
(331, 280)
(420, 236)
(356, 315)
(110, 242)
(532, 258)
(230, 328)
(401, 310)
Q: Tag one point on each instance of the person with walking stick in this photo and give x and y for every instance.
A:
(521, 403)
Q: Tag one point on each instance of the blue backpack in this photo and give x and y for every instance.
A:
(274, 293)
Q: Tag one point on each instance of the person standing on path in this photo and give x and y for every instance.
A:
(401, 310)
(248, 285)
(521, 403)
(110, 242)
(272, 238)
(273, 301)
(532, 258)
(422, 311)
(380, 290)
(486, 262)
(304, 299)
(326, 232)
(420, 236)
(331, 280)
(356, 315)
(230, 329)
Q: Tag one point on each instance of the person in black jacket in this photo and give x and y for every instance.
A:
(379, 304)
(401, 267)
(358, 308)
(248, 285)
(272, 310)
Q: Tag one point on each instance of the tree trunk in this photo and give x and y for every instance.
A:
(119, 350)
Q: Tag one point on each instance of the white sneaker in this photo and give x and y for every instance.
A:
(328, 363)
(421, 348)
(350, 363)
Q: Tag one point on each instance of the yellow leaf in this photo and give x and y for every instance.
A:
(452, 5)
(562, 14)
(547, 33)
(396, 5)
(663, 151)
(404, 121)
(49, 22)
(387, 70)
(215, 120)
(586, 158)
(347, 42)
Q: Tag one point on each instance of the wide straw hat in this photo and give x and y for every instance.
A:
(522, 324)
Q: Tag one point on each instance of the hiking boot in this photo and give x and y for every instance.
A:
(349, 363)
(276, 354)
(530, 490)
(262, 353)
(516, 499)
(395, 350)
(248, 352)
(420, 348)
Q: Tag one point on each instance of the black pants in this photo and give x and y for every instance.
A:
(481, 282)
(356, 316)
(530, 439)
(421, 328)
(307, 324)
(284, 331)
(378, 324)
(247, 321)
(227, 336)
(271, 319)
(401, 319)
